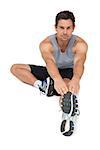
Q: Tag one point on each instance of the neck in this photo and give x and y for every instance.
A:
(62, 44)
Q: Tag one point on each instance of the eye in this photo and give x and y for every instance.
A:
(61, 27)
(68, 27)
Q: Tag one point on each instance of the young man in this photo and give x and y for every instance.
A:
(64, 55)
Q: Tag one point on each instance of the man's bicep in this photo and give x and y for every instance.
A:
(47, 55)
(46, 52)
(79, 58)
(80, 55)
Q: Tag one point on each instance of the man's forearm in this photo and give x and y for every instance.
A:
(52, 69)
(78, 71)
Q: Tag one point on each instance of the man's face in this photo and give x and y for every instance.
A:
(64, 29)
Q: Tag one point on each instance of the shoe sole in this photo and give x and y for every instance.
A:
(69, 107)
(71, 128)
(67, 104)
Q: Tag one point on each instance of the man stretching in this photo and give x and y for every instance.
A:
(64, 54)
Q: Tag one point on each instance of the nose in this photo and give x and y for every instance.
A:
(65, 31)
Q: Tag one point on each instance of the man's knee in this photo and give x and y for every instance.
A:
(13, 68)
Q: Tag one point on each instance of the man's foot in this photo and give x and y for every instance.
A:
(47, 87)
(69, 106)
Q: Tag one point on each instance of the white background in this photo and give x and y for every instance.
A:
(27, 120)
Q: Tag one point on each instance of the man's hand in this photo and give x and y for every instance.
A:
(60, 86)
(74, 85)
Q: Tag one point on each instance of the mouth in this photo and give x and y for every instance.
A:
(65, 37)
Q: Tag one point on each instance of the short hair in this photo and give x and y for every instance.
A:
(65, 15)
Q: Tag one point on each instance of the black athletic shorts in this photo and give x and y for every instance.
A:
(41, 73)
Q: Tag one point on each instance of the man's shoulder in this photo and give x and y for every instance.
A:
(46, 43)
(80, 40)
(80, 44)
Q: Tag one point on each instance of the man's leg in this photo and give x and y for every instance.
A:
(33, 75)
(23, 73)
(69, 105)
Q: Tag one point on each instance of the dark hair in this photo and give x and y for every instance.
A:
(64, 15)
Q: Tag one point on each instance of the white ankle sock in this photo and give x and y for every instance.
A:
(37, 83)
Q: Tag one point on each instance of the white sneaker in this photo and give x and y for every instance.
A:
(69, 106)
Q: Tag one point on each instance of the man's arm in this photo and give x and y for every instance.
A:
(78, 69)
(79, 60)
(49, 60)
(47, 54)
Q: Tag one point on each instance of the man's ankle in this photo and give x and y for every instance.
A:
(37, 83)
